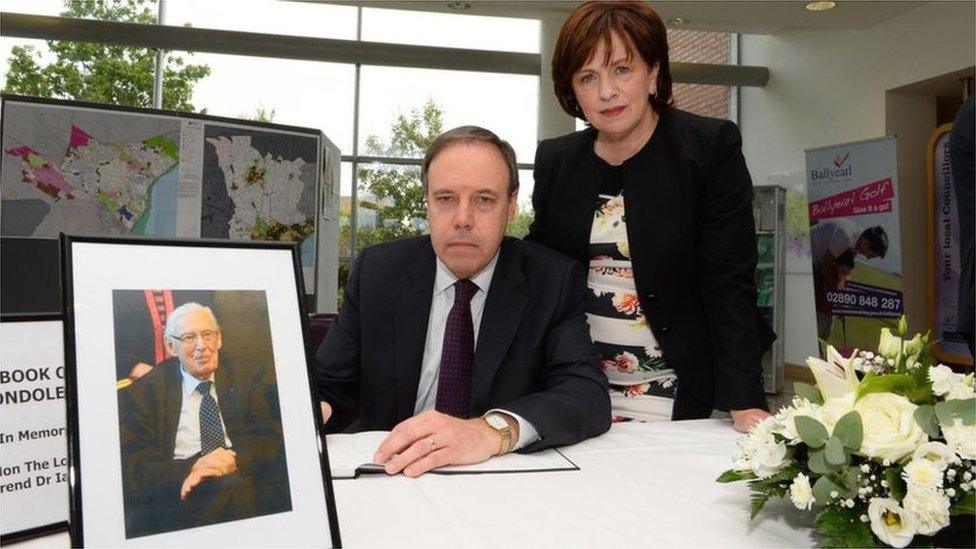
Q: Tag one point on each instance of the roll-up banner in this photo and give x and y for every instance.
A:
(855, 242)
(944, 260)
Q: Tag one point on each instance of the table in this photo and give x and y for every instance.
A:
(650, 484)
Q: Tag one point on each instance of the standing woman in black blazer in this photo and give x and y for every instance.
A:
(657, 203)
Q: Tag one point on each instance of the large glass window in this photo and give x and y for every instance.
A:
(311, 19)
(450, 30)
(284, 91)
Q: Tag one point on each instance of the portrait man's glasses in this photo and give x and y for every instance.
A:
(208, 336)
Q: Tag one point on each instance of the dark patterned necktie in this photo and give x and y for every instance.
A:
(457, 356)
(211, 431)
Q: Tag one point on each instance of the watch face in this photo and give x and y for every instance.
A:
(497, 421)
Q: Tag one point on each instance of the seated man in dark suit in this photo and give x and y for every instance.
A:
(201, 441)
(465, 343)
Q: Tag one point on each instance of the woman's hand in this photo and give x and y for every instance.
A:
(743, 420)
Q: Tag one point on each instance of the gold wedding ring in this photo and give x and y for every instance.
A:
(431, 441)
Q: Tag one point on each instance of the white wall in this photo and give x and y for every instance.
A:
(829, 87)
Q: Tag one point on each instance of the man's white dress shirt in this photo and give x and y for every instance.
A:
(188, 432)
(440, 307)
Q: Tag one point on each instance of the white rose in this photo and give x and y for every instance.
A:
(961, 438)
(890, 430)
(834, 409)
(922, 474)
(943, 379)
(801, 493)
(928, 508)
(890, 522)
(938, 453)
(786, 418)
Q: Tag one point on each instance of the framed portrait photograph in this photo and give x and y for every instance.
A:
(191, 414)
(33, 463)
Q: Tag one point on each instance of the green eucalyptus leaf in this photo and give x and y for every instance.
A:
(817, 462)
(851, 476)
(834, 452)
(850, 431)
(949, 410)
(890, 383)
(813, 433)
(808, 392)
(824, 488)
(925, 417)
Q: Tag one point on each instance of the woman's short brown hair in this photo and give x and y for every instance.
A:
(638, 26)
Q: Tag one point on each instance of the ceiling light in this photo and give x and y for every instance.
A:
(821, 5)
(459, 6)
(678, 21)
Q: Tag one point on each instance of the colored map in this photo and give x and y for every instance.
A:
(73, 171)
(258, 185)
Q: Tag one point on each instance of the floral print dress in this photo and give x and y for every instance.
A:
(641, 384)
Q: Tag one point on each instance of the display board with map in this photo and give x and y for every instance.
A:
(89, 169)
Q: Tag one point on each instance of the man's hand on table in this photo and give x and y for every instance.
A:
(743, 420)
(326, 411)
(432, 439)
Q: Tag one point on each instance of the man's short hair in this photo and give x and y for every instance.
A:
(877, 239)
(178, 313)
(466, 134)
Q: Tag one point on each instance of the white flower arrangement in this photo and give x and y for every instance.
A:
(883, 448)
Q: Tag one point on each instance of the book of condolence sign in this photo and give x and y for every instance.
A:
(33, 463)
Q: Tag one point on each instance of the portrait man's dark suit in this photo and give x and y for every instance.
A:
(149, 413)
(533, 355)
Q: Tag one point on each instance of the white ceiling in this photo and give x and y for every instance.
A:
(746, 16)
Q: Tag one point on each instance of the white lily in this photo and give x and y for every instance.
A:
(835, 376)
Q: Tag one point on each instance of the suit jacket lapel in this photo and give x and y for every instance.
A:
(172, 403)
(414, 291)
(499, 322)
(227, 398)
(578, 189)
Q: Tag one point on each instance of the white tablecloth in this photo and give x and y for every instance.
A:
(647, 484)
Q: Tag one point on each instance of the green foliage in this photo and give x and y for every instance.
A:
(949, 410)
(842, 527)
(102, 73)
(827, 489)
(807, 391)
(260, 114)
(762, 490)
(519, 227)
(849, 431)
(834, 452)
(396, 192)
(896, 484)
(925, 417)
(817, 462)
(965, 506)
(900, 384)
(813, 433)
(734, 476)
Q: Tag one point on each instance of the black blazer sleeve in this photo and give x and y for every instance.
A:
(727, 259)
(337, 361)
(543, 177)
(574, 402)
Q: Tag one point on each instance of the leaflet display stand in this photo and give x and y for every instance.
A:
(768, 208)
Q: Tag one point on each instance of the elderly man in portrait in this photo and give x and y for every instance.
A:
(465, 343)
(201, 439)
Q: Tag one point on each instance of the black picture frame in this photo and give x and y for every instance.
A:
(74, 400)
(54, 527)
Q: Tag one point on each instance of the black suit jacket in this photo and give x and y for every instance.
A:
(533, 357)
(149, 415)
(692, 240)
